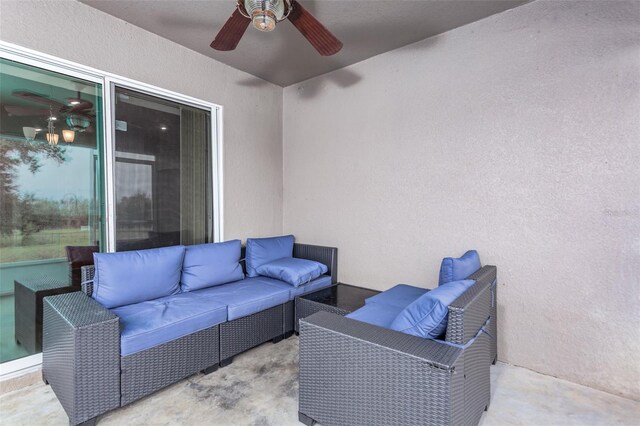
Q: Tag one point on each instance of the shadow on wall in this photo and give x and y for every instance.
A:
(343, 77)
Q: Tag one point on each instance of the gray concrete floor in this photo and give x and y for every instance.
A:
(261, 388)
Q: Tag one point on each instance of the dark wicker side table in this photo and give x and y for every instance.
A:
(340, 299)
(28, 296)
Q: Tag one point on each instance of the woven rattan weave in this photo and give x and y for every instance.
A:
(354, 373)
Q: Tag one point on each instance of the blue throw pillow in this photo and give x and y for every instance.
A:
(207, 265)
(265, 250)
(136, 276)
(455, 269)
(427, 315)
(292, 270)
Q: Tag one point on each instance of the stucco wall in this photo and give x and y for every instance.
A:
(518, 135)
(252, 134)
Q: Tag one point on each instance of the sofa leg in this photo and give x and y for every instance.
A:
(90, 422)
(494, 361)
(44, 379)
(288, 334)
(210, 369)
(226, 362)
(278, 338)
(306, 419)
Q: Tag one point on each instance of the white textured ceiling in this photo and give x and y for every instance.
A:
(284, 57)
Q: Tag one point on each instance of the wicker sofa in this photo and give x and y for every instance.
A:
(356, 373)
(84, 364)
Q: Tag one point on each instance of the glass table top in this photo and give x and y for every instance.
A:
(342, 296)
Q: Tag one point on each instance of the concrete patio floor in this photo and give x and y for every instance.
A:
(261, 388)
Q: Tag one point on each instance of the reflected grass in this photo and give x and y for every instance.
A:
(47, 244)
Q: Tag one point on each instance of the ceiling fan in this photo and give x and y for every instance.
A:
(265, 14)
(77, 112)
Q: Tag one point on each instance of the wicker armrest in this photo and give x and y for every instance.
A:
(326, 255)
(81, 355)
(356, 373)
(87, 274)
(431, 352)
(469, 312)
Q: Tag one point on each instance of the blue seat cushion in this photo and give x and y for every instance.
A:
(206, 265)
(292, 270)
(427, 315)
(265, 250)
(148, 324)
(248, 296)
(399, 296)
(376, 314)
(317, 284)
(455, 269)
(130, 277)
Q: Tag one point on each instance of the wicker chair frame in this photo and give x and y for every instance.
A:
(354, 373)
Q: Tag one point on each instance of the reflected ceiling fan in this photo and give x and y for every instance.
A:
(265, 14)
(77, 112)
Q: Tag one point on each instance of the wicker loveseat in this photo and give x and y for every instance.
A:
(356, 373)
(84, 357)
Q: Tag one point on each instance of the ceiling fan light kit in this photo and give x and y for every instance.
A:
(53, 138)
(265, 14)
(29, 133)
(68, 135)
(76, 112)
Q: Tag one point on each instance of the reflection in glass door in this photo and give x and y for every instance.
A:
(163, 172)
(50, 180)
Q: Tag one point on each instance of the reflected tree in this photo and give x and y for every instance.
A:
(135, 207)
(12, 155)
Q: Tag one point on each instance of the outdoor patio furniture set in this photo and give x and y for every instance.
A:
(146, 319)
(380, 365)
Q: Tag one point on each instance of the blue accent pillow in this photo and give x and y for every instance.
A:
(455, 269)
(292, 270)
(136, 276)
(427, 316)
(208, 265)
(265, 250)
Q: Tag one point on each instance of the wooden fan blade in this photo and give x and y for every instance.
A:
(320, 38)
(25, 112)
(37, 98)
(231, 33)
(81, 107)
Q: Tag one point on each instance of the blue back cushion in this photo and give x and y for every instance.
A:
(206, 265)
(427, 315)
(136, 276)
(455, 269)
(292, 270)
(265, 250)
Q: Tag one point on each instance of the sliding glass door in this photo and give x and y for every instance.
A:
(163, 172)
(148, 178)
(50, 180)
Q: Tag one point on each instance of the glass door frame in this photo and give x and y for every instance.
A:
(108, 81)
(216, 149)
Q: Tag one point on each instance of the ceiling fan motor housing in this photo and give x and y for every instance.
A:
(265, 14)
(77, 122)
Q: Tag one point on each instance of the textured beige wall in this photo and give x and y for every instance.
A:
(518, 135)
(252, 133)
